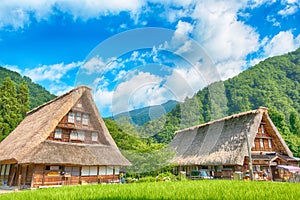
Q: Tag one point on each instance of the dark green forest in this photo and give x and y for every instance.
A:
(273, 83)
(17, 96)
(37, 94)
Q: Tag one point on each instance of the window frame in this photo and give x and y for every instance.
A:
(261, 143)
(78, 116)
(85, 119)
(71, 119)
(58, 135)
(270, 143)
(95, 137)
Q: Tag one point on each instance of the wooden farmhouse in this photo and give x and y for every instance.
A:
(246, 143)
(62, 142)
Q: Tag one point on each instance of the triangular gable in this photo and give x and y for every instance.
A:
(279, 143)
(41, 121)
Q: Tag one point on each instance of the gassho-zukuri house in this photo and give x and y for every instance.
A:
(241, 143)
(62, 142)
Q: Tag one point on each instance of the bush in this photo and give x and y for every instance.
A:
(147, 179)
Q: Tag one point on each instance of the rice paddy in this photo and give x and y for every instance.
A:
(202, 189)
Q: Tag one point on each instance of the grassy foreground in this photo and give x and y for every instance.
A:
(216, 189)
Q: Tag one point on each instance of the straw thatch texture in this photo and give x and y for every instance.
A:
(31, 133)
(49, 152)
(220, 142)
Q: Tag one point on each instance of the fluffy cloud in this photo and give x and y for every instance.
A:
(17, 14)
(289, 10)
(135, 91)
(50, 72)
(281, 43)
(222, 35)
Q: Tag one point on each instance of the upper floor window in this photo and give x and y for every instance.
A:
(79, 105)
(57, 134)
(71, 117)
(78, 116)
(85, 119)
(261, 141)
(94, 137)
(80, 135)
(262, 129)
(77, 135)
(270, 143)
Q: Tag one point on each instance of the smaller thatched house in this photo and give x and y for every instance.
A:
(63, 142)
(247, 143)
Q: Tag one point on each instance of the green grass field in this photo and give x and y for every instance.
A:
(216, 189)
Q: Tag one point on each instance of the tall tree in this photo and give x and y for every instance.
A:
(23, 98)
(10, 117)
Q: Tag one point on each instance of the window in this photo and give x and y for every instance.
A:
(261, 141)
(94, 137)
(262, 129)
(77, 135)
(85, 171)
(79, 105)
(102, 170)
(93, 171)
(78, 116)
(110, 170)
(71, 117)
(270, 143)
(57, 134)
(80, 135)
(89, 171)
(85, 119)
(117, 170)
(73, 135)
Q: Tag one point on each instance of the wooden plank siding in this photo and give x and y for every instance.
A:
(72, 176)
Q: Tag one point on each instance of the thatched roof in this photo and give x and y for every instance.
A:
(27, 143)
(224, 141)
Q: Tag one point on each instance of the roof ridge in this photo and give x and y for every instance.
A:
(224, 118)
(57, 98)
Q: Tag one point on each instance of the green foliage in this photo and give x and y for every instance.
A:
(37, 94)
(273, 83)
(202, 189)
(143, 115)
(10, 108)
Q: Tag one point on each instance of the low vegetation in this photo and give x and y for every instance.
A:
(216, 189)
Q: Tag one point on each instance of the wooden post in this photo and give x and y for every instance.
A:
(270, 170)
(19, 181)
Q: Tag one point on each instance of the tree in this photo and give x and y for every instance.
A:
(10, 117)
(23, 98)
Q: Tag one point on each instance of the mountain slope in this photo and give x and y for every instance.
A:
(141, 116)
(37, 94)
(274, 83)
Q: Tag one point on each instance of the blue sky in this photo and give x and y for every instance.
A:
(110, 46)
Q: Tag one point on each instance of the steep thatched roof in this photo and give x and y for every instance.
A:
(224, 141)
(27, 143)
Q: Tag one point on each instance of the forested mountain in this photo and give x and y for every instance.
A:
(17, 96)
(37, 94)
(273, 83)
(143, 115)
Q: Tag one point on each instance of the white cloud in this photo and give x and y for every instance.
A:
(50, 72)
(135, 87)
(59, 89)
(224, 37)
(288, 10)
(17, 14)
(13, 68)
(98, 65)
(281, 43)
